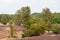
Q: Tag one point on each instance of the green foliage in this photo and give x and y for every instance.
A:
(10, 22)
(36, 29)
(11, 17)
(36, 17)
(56, 18)
(26, 17)
(47, 16)
(34, 24)
(13, 31)
(4, 18)
(18, 18)
(0, 17)
(55, 30)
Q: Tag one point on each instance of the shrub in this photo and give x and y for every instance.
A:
(34, 31)
(56, 30)
(12, 29)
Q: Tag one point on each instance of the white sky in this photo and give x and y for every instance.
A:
(11, 6)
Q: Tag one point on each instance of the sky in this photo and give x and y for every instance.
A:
(11, 6)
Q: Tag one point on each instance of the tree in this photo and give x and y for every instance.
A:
(0, 17)
(11, 17)
(18, 18)
(12, 29)
(36, 17)
(47, 16)
(4, 18)
(36, 29)
(26, 17)
(26, 20)
(56, 18)
(56, 30)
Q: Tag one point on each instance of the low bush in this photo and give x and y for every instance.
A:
(56, 30)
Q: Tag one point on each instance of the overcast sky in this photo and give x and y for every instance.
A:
(11, 6)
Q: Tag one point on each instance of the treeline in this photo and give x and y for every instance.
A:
(5, 18)
(34, 23)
